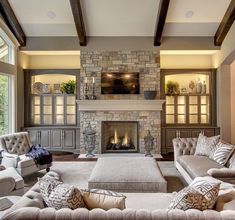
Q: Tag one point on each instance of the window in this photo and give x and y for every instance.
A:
(5, 104)
(4, 51)
(7, 90)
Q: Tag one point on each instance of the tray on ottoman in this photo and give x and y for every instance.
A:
(127, 174)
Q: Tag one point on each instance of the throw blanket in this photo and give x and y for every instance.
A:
(40, 155)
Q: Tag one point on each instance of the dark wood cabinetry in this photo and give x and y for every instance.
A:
(188, 110)
(51, 116)
(55, 139)
(169, 133)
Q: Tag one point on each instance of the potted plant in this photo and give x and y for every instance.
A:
(172, 88)
(68, 87)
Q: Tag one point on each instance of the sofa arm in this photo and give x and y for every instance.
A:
(184, 146)
(222, 172)
(7, 185)
(10, 160)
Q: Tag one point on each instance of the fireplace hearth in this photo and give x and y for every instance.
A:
(119, 137)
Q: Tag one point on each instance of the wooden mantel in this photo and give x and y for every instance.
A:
(120, 105)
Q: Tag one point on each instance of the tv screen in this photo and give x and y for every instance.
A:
(120, 83)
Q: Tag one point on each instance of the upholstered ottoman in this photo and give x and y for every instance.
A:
(127, 174)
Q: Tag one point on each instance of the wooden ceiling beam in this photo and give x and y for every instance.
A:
(78, 19)
(161, 18)
(9, 17)
(225, 24)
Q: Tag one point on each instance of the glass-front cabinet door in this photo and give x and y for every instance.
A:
(53, 99)
(47, 109)
(36, 109)
(188, 98)
(71, 109)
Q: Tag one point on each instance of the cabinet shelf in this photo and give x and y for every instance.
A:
(188, 113)
(51, 116)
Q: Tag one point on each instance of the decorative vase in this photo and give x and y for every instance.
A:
(204, 87)
(150, 95)
(89, 140)
(148, 144)
(199, 86)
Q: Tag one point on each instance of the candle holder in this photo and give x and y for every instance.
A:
(93, 96)
(86, 90)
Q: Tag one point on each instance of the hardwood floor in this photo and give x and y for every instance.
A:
(74, 157)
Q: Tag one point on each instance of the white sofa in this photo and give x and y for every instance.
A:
(14, 147)
(11, 183)
(191, 166)
(139, 206)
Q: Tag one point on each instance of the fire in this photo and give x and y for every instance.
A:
(115, 136)
(125, 139)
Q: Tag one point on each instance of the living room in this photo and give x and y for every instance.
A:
(117, 109)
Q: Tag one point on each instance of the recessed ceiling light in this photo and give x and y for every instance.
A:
(51, 14)
(189, 14)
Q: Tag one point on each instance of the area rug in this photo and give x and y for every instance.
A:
(77, 173)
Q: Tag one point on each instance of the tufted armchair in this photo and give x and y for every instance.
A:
(14, 147)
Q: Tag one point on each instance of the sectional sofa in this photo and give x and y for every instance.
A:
(191, 166)
(138, 206)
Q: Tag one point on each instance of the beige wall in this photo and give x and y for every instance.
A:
(23, 63)
(185, 61)
(227, 48)
(54, 62)
(224, 102)
(225, 83)
(232, 92)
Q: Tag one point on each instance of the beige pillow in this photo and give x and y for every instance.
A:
(225, 201)
(223, 152)
(104, 199)
(206, 146)
(200, 195)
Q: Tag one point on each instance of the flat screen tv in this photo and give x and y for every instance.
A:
(120, 83)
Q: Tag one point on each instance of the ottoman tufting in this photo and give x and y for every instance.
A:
(127, 174)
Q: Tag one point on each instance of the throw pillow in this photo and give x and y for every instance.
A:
(208, 189)
(223, 152)
(199, 195)
(206, 145)
(65, 196)
(103, 199)
(188, 198)
(46, 184)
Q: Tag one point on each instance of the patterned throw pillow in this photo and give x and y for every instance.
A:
(206, 146)
(104, 199)
(46, 185)
(58, 195)
(200, 195)
(208, 189)
(223, 152)
(187, 198)
(65, 196)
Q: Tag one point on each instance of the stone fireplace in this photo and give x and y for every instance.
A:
(120, 108)
(119, 137)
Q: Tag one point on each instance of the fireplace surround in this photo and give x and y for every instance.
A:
(119, 137)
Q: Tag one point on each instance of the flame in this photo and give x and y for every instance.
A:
(125, 139)
(115, 136)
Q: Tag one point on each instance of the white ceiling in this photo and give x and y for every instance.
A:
(32, 15)
(119, 17)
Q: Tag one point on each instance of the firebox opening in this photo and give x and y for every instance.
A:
(119, 137)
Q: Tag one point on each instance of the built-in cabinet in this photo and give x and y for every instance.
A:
(50, 109)
(55, 139)
(190, 106)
